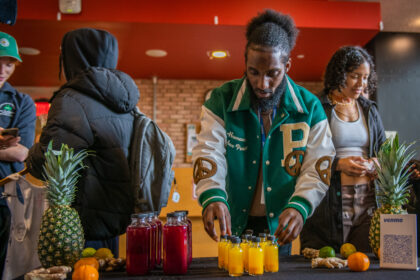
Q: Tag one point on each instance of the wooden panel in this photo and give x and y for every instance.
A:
(185, 187)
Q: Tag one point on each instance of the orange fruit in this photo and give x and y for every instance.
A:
(85, 272)
(87, 261)
(347, 249)
(358, 262)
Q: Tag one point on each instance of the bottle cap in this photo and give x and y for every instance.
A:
(249, 231)
(262, 235)
(236, 240)
(185, 212)
(170, 215)
(271, 238)
(256, 239)
(178, 214)
(142, 215)
(224, 236)
(134, 216)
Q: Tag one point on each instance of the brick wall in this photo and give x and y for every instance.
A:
(178, 102)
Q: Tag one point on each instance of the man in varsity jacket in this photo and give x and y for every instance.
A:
(264, 152)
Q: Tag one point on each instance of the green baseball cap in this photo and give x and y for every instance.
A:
(8, 46)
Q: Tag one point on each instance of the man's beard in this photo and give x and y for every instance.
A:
(266, 104)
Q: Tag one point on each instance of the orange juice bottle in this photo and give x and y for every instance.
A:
(226, 253)
(220, 251)
(255, 258)
(271, 255)
(244, 246)
(236, 265)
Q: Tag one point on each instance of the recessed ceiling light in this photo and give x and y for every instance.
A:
(218, 54)
(29, 51)
(416, 22)
(300, 56)
(402, 44)
(156, 53)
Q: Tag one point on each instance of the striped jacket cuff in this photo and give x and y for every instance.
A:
(212, 195)
(301, 205)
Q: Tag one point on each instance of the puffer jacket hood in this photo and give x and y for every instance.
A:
(113, 88)
(89, 58)
(87, 47)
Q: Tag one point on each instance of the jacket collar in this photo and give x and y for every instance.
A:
(7, 88)
(291, 100)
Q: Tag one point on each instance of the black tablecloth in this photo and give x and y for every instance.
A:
(292, 267)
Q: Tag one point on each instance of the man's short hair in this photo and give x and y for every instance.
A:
(272, 29)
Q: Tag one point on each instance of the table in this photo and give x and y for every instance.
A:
(292, 267)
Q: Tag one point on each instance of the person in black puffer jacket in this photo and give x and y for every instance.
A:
(93, 111)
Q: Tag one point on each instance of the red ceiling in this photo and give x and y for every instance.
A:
(186, 30)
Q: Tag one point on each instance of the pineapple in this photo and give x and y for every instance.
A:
(61, 239)
(392, 189)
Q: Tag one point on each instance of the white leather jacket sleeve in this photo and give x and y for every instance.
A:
(212, 147)
(309, 184)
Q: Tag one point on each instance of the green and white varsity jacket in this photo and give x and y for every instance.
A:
(227, 156)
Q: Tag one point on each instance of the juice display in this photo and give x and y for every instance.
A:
(244, 246)
(153, 240)
(255, 258)
(159, 238)
(221, 251)
(188, 221)
(175, 245)
(138, 245)
(271, 255)
(236, 265)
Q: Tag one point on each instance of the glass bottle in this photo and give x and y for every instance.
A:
(236, 264)
(226, 252)
(271, 255)
(244, 246)
(153, 240)
(249, 232)
(255, 258)
(220, 251)
(138, 245)
(159, 238)
(188, 221)
(263, 240)
(175, 245)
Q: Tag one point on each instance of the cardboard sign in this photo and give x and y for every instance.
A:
(398, 241)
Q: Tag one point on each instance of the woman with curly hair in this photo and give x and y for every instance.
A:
(344, 214)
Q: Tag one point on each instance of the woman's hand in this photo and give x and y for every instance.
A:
(353, 166)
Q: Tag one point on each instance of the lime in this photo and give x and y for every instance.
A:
(347, 249)
(88, 252)
(326, 252)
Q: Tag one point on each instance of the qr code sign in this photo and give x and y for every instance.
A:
(397, 249)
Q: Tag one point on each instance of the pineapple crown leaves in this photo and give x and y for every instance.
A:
(393, 174)
(61, 172)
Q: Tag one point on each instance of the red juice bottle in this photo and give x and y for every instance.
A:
(153, 240)
(175, 245)
(138, 245)
(188, 222)
(159, 238)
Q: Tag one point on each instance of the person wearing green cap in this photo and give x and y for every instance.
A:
(17, 110)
